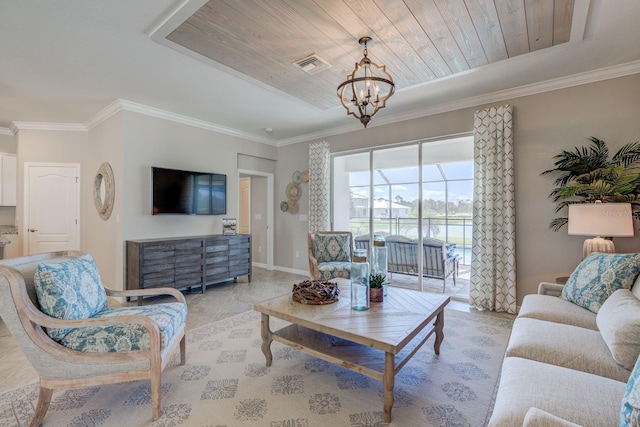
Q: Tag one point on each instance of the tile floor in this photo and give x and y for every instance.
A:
(219, 302)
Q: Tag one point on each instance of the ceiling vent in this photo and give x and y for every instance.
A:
(312, 64)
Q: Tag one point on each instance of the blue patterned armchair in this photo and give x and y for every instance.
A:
(330, 254)
(55, 306)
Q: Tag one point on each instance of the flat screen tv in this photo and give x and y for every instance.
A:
(188, 192)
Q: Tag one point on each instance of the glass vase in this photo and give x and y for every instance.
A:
(379, 259)
(359, 280)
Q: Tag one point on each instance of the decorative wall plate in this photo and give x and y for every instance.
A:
(293, 207)
(104, 191)
(297, 177)
(284, 206)
(305, 176)
(293, 191)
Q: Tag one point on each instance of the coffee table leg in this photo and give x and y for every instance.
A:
(388, 382)
(266, 338)
(439, 326)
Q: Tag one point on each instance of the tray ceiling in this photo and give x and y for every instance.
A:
(418, 40)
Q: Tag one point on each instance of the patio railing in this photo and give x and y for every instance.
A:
(451, 229)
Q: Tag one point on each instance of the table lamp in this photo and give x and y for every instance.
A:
(600, 219)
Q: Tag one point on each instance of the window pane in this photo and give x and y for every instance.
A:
(458, 170)
(393, 200)
(431, 173)
(461, 197)
(402, 175)
(359, 178)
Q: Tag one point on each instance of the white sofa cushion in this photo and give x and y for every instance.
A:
(619, 322)
(578, 397)
(554, 309)
(564, 345)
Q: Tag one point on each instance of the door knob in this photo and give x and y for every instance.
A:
(33, 230)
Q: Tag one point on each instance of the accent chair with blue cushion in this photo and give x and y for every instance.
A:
(330, 254)
(55, 306)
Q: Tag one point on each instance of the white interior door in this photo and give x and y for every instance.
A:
(52, 207)
(244, 215)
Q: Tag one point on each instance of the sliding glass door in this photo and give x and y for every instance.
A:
(407, 192)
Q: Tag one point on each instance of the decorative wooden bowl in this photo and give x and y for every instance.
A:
(315, 292)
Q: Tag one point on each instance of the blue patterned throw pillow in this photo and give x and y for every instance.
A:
(598, 276)
(332, 247)
(630, 413)
(70, 290)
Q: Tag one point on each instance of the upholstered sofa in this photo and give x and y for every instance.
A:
(439, 261)
(571, 358)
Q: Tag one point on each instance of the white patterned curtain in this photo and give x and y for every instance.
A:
(493, 265)
(319, 186)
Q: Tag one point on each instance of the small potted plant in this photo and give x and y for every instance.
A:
(376, 290)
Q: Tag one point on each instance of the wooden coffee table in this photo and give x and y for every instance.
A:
(379, 341)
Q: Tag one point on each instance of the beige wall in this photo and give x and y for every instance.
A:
(103, 238)
(290, 232)
(149, 141)
(132, 143)
(544, 124)
(7, 143)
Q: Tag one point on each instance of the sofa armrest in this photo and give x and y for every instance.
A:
(552, 289)
(538, 418)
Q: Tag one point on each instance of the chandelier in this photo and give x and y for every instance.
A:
(367, 89)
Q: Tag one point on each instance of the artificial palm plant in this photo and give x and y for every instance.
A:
(587, 174)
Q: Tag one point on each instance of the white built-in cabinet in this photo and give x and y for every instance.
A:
(8, 178)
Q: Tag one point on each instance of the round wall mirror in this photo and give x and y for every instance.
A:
(104, 191)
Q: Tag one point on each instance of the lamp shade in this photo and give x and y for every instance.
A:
(601, 219)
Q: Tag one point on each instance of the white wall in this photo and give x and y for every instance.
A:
(544, 124)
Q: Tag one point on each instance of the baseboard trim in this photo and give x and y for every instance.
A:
(291, 270)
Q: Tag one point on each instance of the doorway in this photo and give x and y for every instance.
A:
(244, 211)
(256, 210)
(52, 207)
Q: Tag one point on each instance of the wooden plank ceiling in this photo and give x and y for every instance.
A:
(418, 40)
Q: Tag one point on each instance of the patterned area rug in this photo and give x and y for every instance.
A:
(226, 383)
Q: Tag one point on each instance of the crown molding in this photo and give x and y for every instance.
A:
(526, 90)
(71, 127)
(7, 131)
(121, 104)
(106, 113)
(518, 92)
(203, 124)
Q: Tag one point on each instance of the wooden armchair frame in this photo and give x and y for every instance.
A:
(61, 367)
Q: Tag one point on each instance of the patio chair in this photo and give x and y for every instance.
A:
(80, 341)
